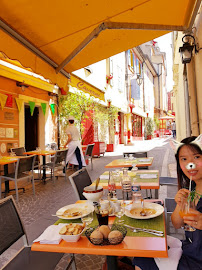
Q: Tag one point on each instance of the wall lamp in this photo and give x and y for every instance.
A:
(187, 48)
(139, 79)
(22, 85)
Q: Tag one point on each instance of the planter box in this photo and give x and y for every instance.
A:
(99, 149)
(110, 147)
(149, 137)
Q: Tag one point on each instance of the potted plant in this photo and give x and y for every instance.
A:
(149, 127)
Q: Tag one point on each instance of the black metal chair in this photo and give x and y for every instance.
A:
(19, 151)
(170, 205)
(79, 180)
(168, 181)
(59, 160)
(89, 154)
(11, 230)
(24, 169)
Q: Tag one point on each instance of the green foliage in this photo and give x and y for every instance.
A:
(77, 105)
(74, 105)
(193, 195)
(156, 122)
(149, 127)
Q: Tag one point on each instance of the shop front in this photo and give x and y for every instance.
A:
(25, 111)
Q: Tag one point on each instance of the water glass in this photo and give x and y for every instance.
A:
(87, 219)
(119, 212)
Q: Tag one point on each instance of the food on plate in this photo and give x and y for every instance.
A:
(96, 237)
(147, 211)
(114, 237)
(105, 230)
(73, 212)
(71, 229)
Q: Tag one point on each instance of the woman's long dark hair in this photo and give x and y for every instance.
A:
(183, 180)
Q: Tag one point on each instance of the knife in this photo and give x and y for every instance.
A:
(149, 230)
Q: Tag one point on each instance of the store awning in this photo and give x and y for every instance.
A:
(64, 36)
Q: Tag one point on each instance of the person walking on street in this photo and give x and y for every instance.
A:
(174, 129)
(75, 153)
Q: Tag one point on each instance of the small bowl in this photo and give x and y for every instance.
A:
(72, 238)
(91, 194)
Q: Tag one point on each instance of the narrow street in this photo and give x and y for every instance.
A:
(37, 211)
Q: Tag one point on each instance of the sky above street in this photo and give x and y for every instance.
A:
(165, 45)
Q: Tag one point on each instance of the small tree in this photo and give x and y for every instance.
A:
(149, 127)
(76, 105)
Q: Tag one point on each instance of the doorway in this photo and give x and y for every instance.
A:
(31, 128)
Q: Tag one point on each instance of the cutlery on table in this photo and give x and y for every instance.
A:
(155, 232)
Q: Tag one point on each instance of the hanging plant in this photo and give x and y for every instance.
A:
(108, 78)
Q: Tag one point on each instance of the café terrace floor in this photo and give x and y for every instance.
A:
(36, 212)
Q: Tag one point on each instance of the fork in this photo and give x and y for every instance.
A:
(155, 232)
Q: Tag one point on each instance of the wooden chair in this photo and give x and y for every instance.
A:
(11, 230)
(24, 170)
(79, 180)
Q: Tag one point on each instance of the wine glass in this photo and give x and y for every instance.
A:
(119, 212)
(87, 219)
(185, 207)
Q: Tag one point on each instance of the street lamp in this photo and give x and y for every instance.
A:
(139, 79)
(187, 48)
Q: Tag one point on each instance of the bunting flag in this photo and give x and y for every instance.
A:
(32, 106)
(52, 106)
(19, 103)
(43, 106)
(3, 99)
(9, 101)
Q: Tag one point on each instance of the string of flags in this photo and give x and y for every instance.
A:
(7, 100)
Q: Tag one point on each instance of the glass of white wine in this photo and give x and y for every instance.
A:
(87, 219)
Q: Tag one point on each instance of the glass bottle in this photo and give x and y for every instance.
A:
(136, 191)
(126, 185)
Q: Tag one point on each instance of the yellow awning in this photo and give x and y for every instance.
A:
(69, 35)
(86, 87)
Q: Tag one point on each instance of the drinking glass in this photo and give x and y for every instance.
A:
(185, 206)
(119, 212)
(87, 219)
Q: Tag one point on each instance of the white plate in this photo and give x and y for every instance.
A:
(85, 208)
(159, 210)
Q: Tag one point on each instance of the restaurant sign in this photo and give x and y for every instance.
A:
(86, 87)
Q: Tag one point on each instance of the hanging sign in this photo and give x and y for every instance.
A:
(32, 106)
(3, 99)
(19, 103)
(52, 106)
(43, 106)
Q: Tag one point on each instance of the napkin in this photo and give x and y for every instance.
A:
(51, 235)
(174, 255)
(104, 176)
(148, 176)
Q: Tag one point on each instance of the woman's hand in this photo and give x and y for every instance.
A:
(194, 220)
(181, 194)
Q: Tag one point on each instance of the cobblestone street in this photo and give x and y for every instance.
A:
(36, 211)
